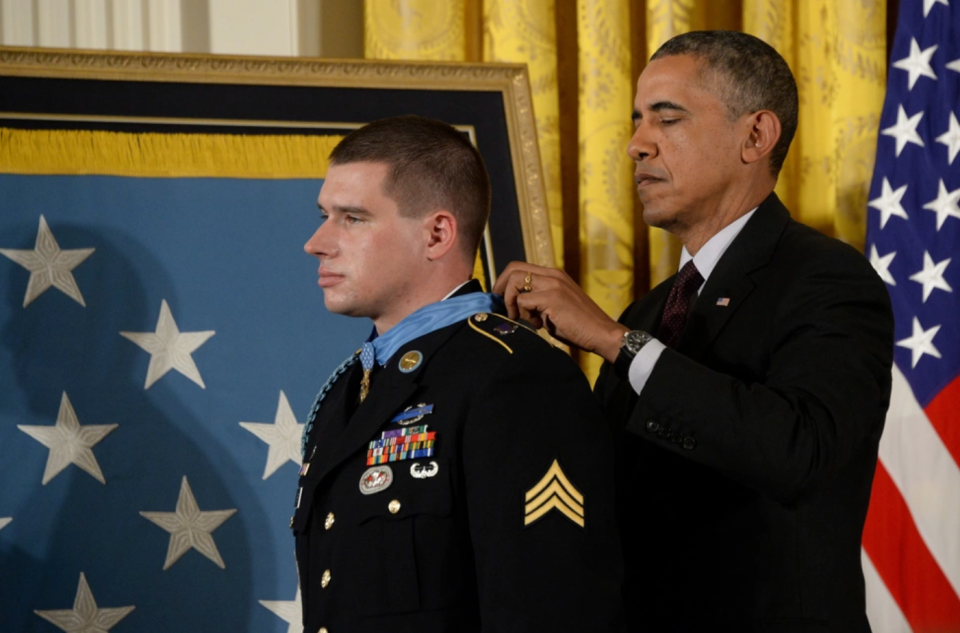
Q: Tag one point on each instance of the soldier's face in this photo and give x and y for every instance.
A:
(369, 255)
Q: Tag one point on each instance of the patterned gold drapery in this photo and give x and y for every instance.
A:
(606, 194)
(525, 31)
(415, 29)
(836, 48)
(837, 51)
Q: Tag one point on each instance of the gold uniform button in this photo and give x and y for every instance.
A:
(325, 579)
(480, 318)
(394, 507)
(328, 522)
(291, 522)
(323, 629)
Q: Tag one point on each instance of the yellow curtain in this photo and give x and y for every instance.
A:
(837, 51)
(606, 198)
(414, 29)
(525, 31)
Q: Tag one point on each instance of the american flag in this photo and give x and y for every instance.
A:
(161, 342)
(911, 541)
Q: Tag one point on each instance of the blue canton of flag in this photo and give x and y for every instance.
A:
(912, 537)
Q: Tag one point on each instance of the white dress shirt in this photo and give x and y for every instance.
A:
(705, 260)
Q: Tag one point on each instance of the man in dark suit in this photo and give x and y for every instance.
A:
(749, 391)
(445, 486)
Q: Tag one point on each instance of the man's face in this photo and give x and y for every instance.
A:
(686, 149)
(368, 253)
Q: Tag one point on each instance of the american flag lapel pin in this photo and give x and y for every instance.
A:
(723, 302)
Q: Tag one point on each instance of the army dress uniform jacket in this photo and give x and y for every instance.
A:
(750, 453)
(508, 526)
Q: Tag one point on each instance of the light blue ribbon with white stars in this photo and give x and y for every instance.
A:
(381, 348)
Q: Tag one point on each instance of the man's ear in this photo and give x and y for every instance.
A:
(442, 233)
(763, 133)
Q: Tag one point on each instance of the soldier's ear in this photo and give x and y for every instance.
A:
(442, 232)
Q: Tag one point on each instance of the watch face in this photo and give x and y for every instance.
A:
(635, 340)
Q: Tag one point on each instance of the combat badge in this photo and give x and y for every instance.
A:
(424, 471)
(411, 415)
(376, 479)
(553, 492)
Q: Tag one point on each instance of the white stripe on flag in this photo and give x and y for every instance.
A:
(882, 610)
(926, 475)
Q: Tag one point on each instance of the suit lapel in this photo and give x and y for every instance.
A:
(730, 284)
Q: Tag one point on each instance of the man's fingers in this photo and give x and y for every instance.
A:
(515, 273)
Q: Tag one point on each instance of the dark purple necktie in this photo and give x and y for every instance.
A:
(678, 302)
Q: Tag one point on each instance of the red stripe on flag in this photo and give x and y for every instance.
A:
(944, 414)
(903, 561)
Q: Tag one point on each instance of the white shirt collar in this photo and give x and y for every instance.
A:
(710, 253)
(452, 292)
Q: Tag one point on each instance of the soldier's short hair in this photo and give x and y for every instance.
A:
(748, 74)
(432, 166)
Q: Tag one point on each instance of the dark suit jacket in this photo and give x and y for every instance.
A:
(457, 555)
(746, 464)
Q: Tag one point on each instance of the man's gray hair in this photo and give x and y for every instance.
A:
(749, 75)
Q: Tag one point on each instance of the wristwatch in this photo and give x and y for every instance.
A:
(630, 345)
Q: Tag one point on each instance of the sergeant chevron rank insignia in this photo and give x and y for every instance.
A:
(553, 492)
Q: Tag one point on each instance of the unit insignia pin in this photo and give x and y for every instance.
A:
(423, 471)
(410, 361)
(506, 328)
(480, 318)
(376, 479)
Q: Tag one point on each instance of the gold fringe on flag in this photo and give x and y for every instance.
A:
(80, 152)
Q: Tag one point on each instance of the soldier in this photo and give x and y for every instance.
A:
(457, 473)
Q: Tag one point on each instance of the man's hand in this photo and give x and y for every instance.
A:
(546, 297)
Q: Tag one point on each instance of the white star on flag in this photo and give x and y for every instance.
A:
(932, 275)
(954, 65)
(921, 342)
(283, 437)
(4, 522)
(170, 348)
(951, 138)
(190, 527)
(889, 203)
(905, 130)
(85, 617)
(928, 4)
(917, 63)
(882, 264)
(69, 442)
(49, 266)
(289, 611)
(945, 204)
